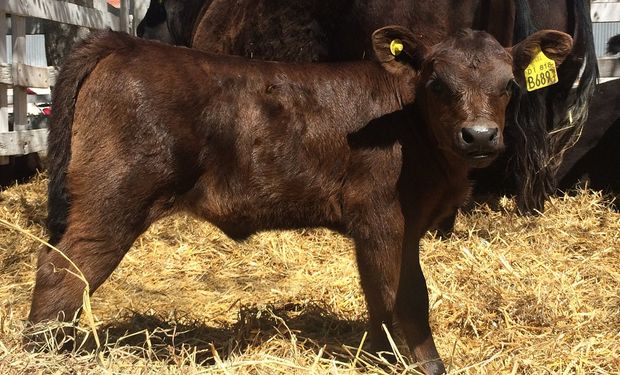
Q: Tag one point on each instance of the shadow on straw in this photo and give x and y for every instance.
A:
(309, 326)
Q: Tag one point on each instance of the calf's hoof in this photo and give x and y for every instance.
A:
(433, 367)
(50, 337)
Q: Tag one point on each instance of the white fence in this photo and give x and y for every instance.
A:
(21, 139)
(606, 23)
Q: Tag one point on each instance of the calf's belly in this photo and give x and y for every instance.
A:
(240, 210)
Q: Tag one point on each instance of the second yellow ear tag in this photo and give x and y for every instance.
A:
(396, 47)
(540, 73)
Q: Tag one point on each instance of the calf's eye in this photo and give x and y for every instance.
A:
(511, 87)
(437, 87)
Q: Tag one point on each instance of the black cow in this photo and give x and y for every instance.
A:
(613, 44)
(596, 156)
(171, 21)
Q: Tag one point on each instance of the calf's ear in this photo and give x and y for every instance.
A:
(397, 49)
(556, 45)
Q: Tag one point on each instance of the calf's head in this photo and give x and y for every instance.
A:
(464, 84)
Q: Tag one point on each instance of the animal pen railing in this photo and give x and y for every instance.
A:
(21, 139)
(605, 24)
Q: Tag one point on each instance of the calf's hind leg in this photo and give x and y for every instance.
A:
(104, 220)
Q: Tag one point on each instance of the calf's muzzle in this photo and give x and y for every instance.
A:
(480, 142)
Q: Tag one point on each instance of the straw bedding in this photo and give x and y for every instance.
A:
(509, 295)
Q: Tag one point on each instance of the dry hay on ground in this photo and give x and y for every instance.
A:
(509, 295)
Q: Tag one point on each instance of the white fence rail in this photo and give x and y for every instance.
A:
(21, 139)
(606, 19)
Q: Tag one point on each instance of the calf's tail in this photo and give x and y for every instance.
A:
(75, 69)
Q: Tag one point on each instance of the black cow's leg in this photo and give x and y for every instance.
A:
(446, 226)
(412, 311)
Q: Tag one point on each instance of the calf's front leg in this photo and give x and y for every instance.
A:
(412, 309)
(394, 286)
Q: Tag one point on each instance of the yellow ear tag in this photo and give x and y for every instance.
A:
(396, 47)
(540, 73)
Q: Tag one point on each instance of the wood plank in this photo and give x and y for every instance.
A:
(124, 24)
(61, 11)
(4, 100)
(52, 75)
(30, 76)
(43, 75)
(100, 5)
(605, 12)
(23, 142)
(133, 16)
(20, 98)
(609, 66)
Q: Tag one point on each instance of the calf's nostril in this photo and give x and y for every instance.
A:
(493, 134)
(467, 135)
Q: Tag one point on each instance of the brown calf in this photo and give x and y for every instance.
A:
(142, 129)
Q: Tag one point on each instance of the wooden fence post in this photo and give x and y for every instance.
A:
(20, 98)
(124, 17)
(4, 101)
(20, 139)
(132, 17)
(100, 5)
